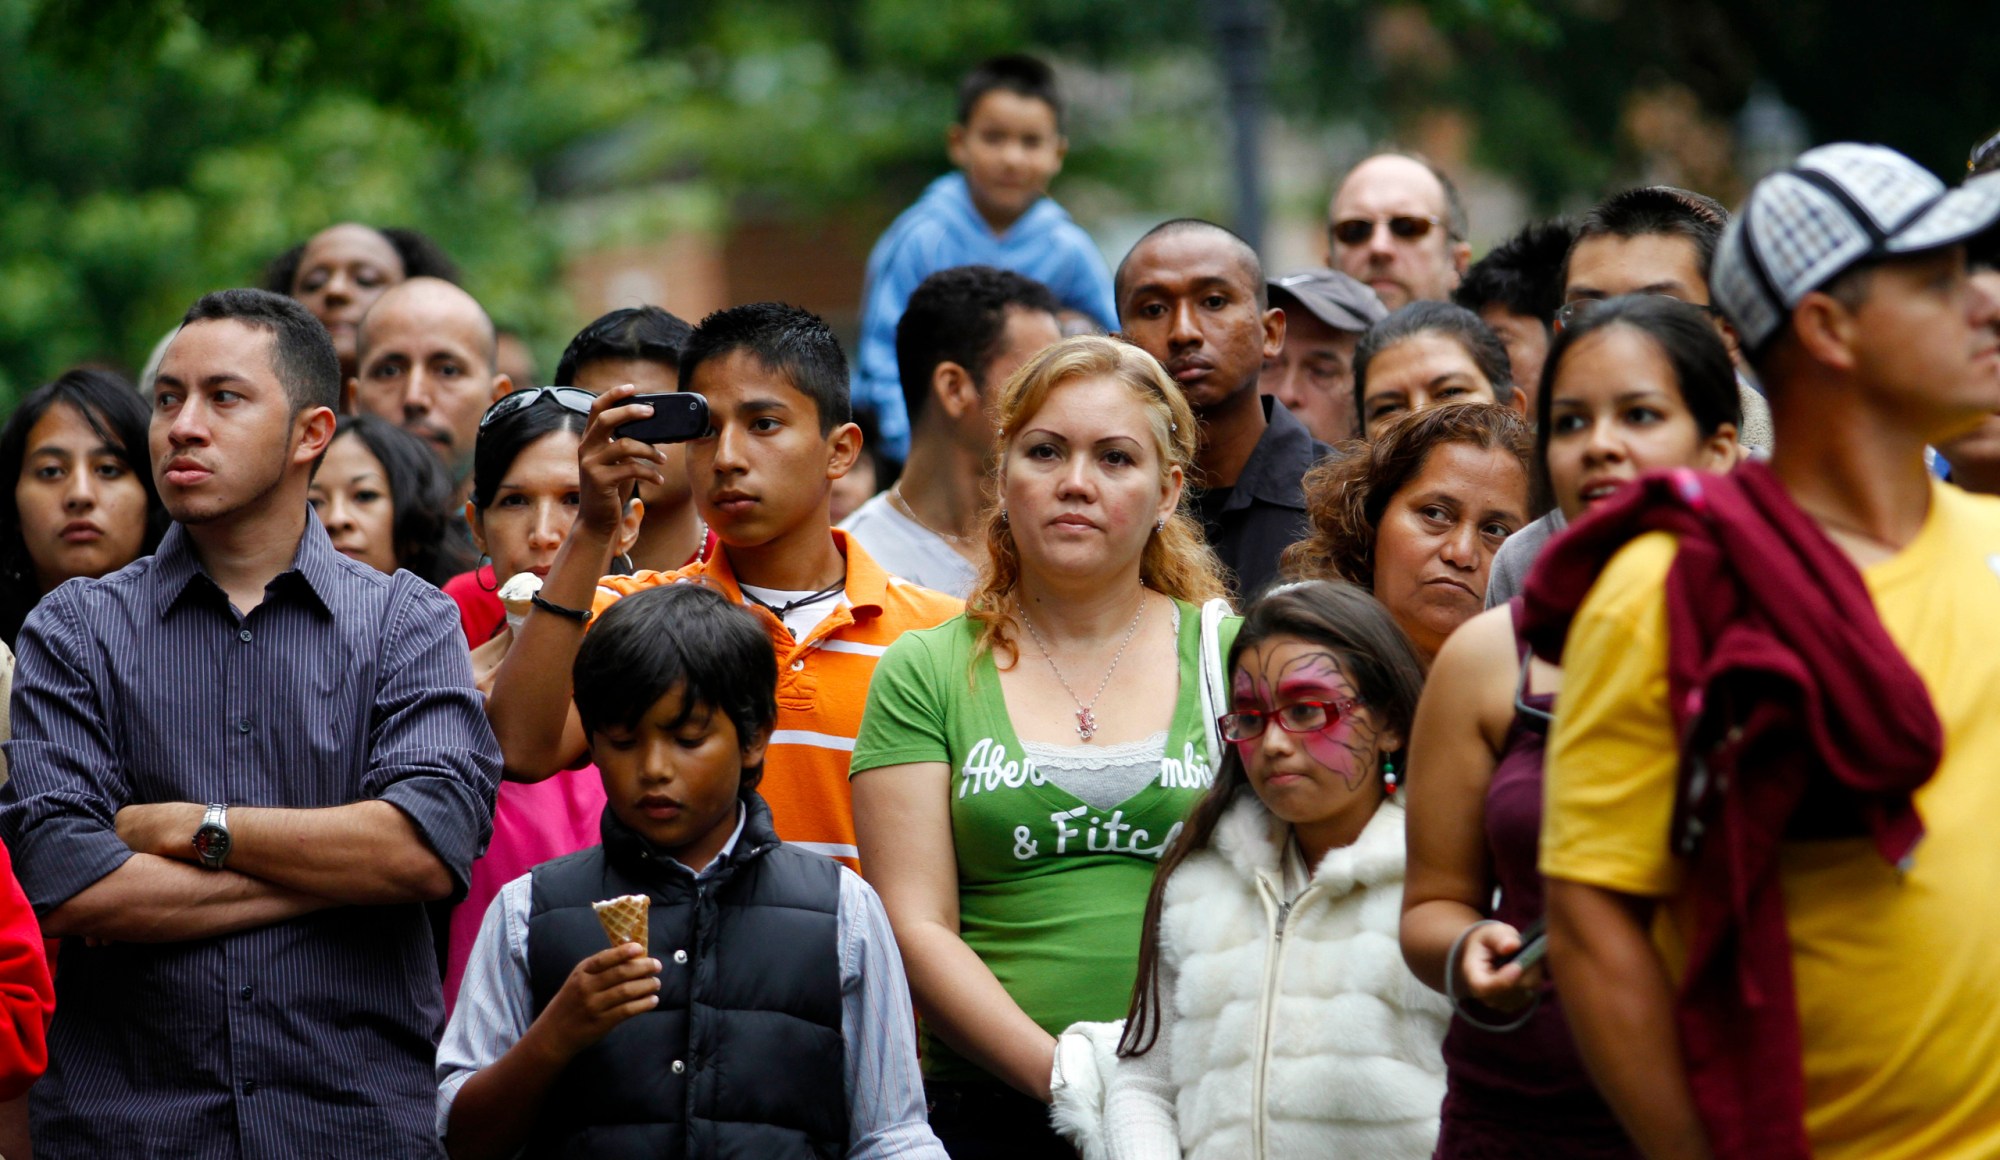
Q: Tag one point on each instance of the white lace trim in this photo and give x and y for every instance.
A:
(1146, 751)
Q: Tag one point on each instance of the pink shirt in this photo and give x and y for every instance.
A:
(531, 824)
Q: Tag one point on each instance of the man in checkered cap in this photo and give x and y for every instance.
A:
(1773, 881)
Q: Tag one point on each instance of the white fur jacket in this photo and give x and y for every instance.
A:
(1289, 1031)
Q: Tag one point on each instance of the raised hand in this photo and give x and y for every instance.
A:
(610, 465)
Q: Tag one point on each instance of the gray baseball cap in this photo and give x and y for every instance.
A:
(1837, 205)
(1334, 298)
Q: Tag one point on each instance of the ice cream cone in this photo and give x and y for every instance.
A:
(517, 596)
(624, 918)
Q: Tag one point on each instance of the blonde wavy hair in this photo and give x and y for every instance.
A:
(1177, 560)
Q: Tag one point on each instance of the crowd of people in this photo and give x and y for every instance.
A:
(1530, 708)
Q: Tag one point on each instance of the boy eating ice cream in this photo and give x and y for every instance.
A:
(765, 1014)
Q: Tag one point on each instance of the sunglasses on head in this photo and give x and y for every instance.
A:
(568, 398)
(1297, 717)
(1984, 154)
(1571, 313)
(1357, 231)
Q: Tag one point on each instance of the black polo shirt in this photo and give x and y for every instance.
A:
(1251, 524)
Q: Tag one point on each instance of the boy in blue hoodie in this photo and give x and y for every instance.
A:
(1008, 145)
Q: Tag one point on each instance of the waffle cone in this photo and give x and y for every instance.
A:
(624, 918)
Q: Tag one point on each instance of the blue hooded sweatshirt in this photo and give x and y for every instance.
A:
(943, 230)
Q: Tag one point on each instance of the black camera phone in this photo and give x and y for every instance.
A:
(677, 417)
(1534, 946)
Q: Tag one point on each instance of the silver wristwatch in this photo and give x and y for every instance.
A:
(211, 838)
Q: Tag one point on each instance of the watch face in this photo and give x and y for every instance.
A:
(211, 843)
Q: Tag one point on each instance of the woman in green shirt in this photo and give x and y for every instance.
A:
(1021, 768)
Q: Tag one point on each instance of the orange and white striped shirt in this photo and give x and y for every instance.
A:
(822, 685)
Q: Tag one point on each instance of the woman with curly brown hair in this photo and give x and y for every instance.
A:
(1021, 768)
(1415, 515)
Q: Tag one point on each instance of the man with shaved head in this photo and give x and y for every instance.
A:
(1396, 224)
(1192, 294)
(426, 354)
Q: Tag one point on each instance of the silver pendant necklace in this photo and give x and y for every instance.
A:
(1086, 721)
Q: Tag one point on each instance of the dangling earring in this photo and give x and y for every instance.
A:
(485, 562)
(1389, 776)
(1003, 517)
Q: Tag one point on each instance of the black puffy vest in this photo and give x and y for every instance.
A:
(743, 1057)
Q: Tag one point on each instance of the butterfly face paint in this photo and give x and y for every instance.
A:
(1312, 776)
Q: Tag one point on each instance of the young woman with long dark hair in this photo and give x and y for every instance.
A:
(1641, 383)
(81, 500)
(385, 500)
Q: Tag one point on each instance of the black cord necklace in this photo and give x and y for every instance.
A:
(827, 593)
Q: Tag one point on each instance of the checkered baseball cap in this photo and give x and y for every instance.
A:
(1836, 206)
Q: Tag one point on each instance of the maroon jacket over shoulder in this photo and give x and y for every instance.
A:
(1799, 719)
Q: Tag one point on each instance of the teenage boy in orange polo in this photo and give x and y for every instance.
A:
(780, 434)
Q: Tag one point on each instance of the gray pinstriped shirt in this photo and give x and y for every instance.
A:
(311, 1037)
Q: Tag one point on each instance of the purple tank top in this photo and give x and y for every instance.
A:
(1522, 1093)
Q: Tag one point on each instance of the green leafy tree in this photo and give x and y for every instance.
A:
(151, 157)
(151, 150)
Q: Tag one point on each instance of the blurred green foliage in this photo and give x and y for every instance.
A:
(154, 149)
(143, 162)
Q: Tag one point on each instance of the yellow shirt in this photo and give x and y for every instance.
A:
(1898, 976)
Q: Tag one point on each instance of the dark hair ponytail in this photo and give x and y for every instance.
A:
(1446, 320)
(502, 440)
(1377, 660)
(426, 543)
(1685, 338)
(118, 415)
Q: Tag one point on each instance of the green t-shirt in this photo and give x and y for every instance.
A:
(1051, 890)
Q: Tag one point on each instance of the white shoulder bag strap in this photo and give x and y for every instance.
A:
(1214, 681)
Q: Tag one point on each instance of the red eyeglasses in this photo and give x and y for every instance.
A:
(1297, 717)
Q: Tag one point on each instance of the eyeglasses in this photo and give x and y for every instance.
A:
(1571, 313)
(1357, 231)
(568, 398)
(1297, 717)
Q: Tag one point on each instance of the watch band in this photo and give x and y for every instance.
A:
(211, 838)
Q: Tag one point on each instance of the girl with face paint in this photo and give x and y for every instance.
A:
(1280, 898)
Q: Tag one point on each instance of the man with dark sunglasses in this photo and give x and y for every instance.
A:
(1396, 223)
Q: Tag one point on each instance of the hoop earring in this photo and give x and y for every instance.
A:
(485, 562)
(1389, 781)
